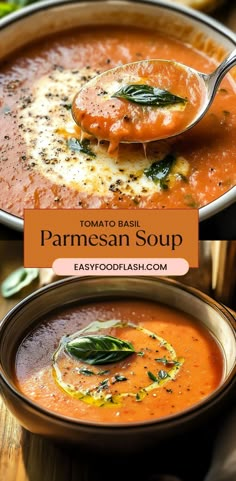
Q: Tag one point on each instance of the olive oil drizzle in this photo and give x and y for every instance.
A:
(96, 396)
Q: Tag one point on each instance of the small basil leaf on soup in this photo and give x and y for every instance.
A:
(152, 376)
(118, 378)
(148, 95)
(86, 372)
(76, 146)
(167, 362)
(159, 170)
(162, 374)
(67, 106)
(97, 350)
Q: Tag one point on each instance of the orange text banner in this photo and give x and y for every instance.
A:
(144, 233)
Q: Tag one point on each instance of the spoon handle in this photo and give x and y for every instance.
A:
(216, 77)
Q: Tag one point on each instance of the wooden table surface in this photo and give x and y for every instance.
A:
(27, 457)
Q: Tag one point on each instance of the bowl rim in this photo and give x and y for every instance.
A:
(170, 419)
(225, 200)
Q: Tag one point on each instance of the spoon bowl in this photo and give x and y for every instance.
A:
(146, 101)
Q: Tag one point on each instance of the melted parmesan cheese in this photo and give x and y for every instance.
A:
(48, 125)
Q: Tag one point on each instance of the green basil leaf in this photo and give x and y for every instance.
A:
(160, 170)
(86, 372)
(103, 385)
(147, 95)
(163, 374)
(152, 376)
(67, 106)
(17, 280)
(6, 8)
(167, 362)
(118, 378)
(77, 146)
(97, 350)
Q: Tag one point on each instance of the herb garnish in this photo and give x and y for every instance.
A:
(152, 376)
(86, 372)
(118, 378)
(160, 170)
(101, 394)
(99, 349)
(77, 146)
(103, 385)
(101, 373)
(67, 106)
(162, 374)
(167, 362)
(147, 95)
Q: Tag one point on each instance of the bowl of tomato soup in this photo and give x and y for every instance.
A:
(46, 161)
(116, 362)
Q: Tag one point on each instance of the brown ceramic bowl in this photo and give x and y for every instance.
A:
(111, 437)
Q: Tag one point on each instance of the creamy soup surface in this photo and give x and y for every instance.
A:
(175, 363)
(45, 164)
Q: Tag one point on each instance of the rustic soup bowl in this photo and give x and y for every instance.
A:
(109, 437)
(192, 27)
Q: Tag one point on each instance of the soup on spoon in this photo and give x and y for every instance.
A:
(139, 102)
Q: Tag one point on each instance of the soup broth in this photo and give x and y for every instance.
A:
(174, 362)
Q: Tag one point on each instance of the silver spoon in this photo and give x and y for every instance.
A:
(212, 82)
(111, 80)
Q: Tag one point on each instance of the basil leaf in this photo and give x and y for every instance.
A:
(118, 378)
(6, 8)
(86, 372)
(17, 280)
(163, 374)
(148, 95)
(103, 385)
(167, 362)
(101, 373)
(67, 106)
(159, 170)
(77, 146)
(97, 350)
(152, 376)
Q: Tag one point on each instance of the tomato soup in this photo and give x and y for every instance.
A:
(46, 163)
(118, 361)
